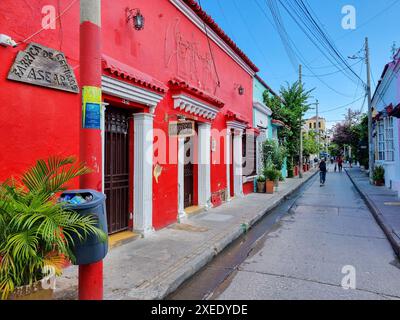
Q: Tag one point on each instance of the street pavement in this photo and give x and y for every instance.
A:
(383, 202)
(329, 238)
(154, 266)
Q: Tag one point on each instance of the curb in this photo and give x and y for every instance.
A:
(378, 217)
(162, 290)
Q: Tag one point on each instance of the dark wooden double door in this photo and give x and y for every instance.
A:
(189, 173)
(117, 169)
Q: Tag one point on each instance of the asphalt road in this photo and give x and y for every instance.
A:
(326, 246)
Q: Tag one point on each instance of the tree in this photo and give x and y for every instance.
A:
(352, 132)
(296, 104)
(310, 144)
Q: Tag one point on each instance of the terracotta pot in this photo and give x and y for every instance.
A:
(295, 171)
(260, 187)
(32, 292)
(379, 183)
(269, 187)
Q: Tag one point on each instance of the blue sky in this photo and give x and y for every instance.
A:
(250, 25)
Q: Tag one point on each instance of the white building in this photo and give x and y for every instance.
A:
(386, 104)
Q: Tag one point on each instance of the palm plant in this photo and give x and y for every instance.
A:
(36, 231)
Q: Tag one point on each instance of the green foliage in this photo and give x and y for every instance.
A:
(290, 168)
(273, 154)
(296, 99)
(261, 178)
(310, 144)
(353, 132)
(35, 230)
(379, 174)
(271, 174)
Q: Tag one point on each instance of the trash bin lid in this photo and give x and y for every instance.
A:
(96, 198)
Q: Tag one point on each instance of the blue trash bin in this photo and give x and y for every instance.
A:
(88, 202)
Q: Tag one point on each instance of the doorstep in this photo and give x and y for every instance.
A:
(194, 210)
(121, 238)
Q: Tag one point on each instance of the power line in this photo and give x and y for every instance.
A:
(344, 106)
(290, 46)
(331, 73)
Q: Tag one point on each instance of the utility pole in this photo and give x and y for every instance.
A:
(91, 275)
(301, 130)
(370, 138)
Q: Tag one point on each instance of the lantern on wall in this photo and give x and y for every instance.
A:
(137, 18)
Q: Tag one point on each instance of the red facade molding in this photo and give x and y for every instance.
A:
(214, 26)
(231, 116)
(278, 123)
(177, 84)
(124, 71)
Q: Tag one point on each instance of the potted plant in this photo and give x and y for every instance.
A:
(261, 184)
(379, 176)
(270, 175)
(36, 231)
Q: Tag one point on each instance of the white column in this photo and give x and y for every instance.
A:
(238, 163)
(103, 142)
(181, 178)
(143, 172)
(228, 162)
(204, 165)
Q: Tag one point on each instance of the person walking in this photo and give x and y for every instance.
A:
(340, 164)
(322, 172)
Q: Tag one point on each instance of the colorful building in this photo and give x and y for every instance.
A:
(386, 126)
(263, 120)
(177, 101)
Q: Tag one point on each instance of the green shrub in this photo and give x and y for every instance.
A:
(271, 174)
(379, 174)
(35, 230)
(261, 178)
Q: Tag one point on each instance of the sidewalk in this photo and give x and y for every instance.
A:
(153, 267)
(383, 203)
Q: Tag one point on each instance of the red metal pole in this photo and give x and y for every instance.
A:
(91, 275)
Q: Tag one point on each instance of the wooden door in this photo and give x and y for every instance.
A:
(188, 173)
(116, 182)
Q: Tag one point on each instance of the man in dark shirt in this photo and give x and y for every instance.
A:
(322, 173)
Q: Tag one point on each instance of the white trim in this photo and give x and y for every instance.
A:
(228, 162)
(192, 106)
(204, 165)
(181, 178)
(249, 178)
(262, 108)
(236, 125)
(103, 142)
(143, 172)
(130, 92)
(192, 16)
(238, 163)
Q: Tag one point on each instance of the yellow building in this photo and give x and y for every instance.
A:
(311, 125)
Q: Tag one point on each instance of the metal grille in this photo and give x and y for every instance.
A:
(188, 173)
(116, 182)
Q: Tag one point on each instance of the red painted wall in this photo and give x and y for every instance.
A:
(36, 122)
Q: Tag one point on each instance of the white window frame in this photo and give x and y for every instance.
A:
(389, 139)
(381, 140)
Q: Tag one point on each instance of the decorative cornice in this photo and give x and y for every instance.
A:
(127, 72)
(192, 106)
(236, 125)
(204, 22)
(181, 85)
(130, 92)
(262, 108)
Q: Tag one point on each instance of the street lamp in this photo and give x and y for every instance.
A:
(136, 17)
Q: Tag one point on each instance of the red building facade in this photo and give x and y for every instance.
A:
(177, 98)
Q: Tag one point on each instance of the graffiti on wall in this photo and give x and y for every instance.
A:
(191, 63)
